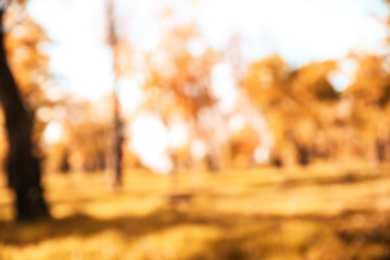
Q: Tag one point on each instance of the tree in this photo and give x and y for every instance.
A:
(312, 86)
(370, 92)
(86, 138)
(178, 83)
(117, 131)
(297, 103)
(267, 83)
(23, 166)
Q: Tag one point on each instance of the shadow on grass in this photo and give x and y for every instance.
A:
(83, 225)
(347, 178)
(351, 235)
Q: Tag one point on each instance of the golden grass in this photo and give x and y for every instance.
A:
(318, 212)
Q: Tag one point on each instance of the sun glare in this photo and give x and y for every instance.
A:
(53, 132)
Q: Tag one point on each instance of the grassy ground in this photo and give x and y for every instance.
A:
(320, 212)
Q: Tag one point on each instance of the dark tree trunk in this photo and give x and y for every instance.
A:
(22, 166)
(117, 145)
(303, 151)
(64, 164)
(276, 161)
(303, 155)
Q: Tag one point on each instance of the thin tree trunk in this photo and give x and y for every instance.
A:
(117, 122)
(22, 166)
(117, 147)
(380, 150)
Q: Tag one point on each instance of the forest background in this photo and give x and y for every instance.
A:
(195, 92)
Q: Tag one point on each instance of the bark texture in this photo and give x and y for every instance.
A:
(22, 166)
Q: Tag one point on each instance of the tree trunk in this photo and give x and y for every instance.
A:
(303, 155)
(64, 163)
(117, 122)
(117, 145)
(22, 166)
(380, 150)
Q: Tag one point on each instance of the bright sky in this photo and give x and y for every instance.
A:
(300, 30)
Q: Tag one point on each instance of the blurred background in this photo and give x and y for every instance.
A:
(204, 83)
(283, 94)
